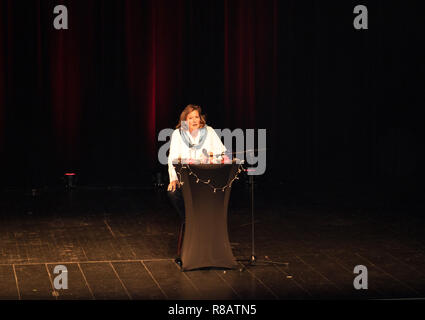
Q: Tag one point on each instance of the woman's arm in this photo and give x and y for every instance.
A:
(174, 154)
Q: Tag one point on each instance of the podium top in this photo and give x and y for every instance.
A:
(199, 162)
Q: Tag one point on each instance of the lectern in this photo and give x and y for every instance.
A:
(206, 191)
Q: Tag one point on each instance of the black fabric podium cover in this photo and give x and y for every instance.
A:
(206, 241)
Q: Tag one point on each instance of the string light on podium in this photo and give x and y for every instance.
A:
(208, 182)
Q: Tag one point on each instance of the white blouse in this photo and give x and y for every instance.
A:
(178, 149)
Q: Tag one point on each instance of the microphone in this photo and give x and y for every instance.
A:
(209, 156)
(205, 153)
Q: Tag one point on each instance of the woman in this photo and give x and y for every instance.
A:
(192, 139)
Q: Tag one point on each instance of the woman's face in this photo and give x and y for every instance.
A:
(193, 120)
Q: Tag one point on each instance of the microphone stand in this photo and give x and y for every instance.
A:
(253, 259)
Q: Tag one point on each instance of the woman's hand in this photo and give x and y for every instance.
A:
(173, 185)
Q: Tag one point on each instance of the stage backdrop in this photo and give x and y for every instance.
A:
(339, 105)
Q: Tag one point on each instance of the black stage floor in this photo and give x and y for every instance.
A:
(120, 243)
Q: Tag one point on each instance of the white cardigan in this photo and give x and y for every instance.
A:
(178, 148)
